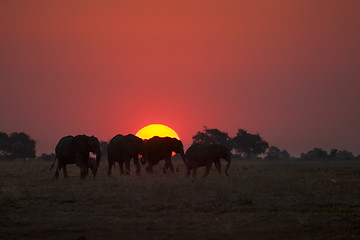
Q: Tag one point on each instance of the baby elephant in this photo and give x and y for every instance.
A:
(203, 155)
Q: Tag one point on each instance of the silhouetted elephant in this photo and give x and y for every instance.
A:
(203, 155)
(158, 148)
(76, 150)
(121, 149)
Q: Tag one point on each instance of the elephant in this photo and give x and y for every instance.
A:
(121, 149)
(76, 150)
(203, 155)
(158, 148)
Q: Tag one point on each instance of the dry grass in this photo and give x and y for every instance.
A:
(261, 199)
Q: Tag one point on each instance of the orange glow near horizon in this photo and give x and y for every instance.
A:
(160, 130)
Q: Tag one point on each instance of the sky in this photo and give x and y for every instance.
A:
(289, 70)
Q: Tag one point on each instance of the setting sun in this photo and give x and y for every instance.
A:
(156, 130)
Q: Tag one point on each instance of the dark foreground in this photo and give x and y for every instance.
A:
(260, 200)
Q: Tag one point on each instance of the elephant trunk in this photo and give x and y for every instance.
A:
(98, 158)
(142, 160)
(227, 167)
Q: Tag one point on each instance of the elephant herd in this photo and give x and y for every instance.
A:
(123, 148)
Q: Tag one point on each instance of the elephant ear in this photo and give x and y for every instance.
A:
(80, 143)
(171, 143)
(176, 145)
(94, 145)
(139, 143)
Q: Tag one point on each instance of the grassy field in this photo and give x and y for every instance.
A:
(259, 200)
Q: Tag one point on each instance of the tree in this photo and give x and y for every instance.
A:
(213, 136)
(344, 155)
(316, 153)
(21, 146)
(4, 145)
(285, 155)
(333, 153)
(273, 153)
(249, 145)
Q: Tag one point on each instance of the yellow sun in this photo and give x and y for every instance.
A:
(156, 130)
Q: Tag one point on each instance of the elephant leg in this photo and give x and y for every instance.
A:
(56, 176)
(83, 173)
(121, 164)
(127, 167)
(64, 171)
(188, 171)
(165, 167)
(83, 170)
(171, 167)
(168, 164)
(94, 174)
(82, 162)
(149, 168)
(218, 166)
(137, 164)
(109, 168)
(194, 172)
(207, 169)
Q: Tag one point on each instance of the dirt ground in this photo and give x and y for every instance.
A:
(259, 200)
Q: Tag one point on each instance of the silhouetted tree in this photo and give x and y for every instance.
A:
(249, 145)
(316, 153)
(275, 153)
(333, 153)
(344, 155)
(21, 146)
(213, 136)
(16, 146)
(285, 155)
(4, 145)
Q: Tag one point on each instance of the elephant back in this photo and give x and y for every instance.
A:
(134, 144)
(65, 148)
(157, 148)
(202, 152)
(81, 144)
(128, 145)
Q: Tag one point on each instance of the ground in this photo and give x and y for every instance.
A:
(259, 200)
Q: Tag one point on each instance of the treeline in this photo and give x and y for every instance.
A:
(246, 145)
(318, 153)
(16, 146)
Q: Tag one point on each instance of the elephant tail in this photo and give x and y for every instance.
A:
(52, 166)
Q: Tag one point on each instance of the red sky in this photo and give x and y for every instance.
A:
(289, 70)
